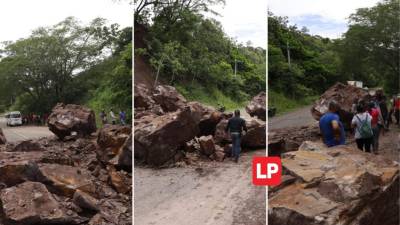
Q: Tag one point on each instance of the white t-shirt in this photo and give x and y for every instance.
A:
(358, 122)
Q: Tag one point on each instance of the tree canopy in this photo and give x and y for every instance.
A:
(185, 48)
(45, 68)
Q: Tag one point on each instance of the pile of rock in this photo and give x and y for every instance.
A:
(345, 96)
(168, 128)
(289, 139)
(339, 185)
(257, 106)
(85, 181)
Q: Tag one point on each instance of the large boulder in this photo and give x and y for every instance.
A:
(18, 167)
(338, 185)
(257, 106)
(67, 120)
(345, 96)
(111, 141)
(157, 138)
(31, 203)
(28, 146)
(142, 97)
(168, 98)
(254, 138)
(3, 139)
(66, 180)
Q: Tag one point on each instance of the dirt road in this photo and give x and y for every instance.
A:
(299, 117)
(216, 194)
(21, 133)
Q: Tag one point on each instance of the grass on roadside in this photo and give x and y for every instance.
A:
(209, 96)
(284, 104)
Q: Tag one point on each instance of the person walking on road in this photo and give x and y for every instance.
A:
(361, 122)
(113, 117)
(396, 106)
(103, 117)
(376, 128)
(122, 117)
(236, 126)
(331, 127)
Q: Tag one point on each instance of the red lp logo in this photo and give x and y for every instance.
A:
(267, 171)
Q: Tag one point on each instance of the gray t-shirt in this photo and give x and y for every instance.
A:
(358, 122)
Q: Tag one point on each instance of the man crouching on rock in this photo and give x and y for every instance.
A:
(235, 126)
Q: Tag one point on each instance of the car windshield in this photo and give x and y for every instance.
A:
(15, 115)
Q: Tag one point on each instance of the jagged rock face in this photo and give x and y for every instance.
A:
(157, 139)
(67, 120)
(345, 96)
(31, 203)
(339, 185)
(257, 106)
(2, 137)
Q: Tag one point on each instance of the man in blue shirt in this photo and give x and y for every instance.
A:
(331, 128)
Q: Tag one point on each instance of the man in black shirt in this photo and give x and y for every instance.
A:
(235, 127)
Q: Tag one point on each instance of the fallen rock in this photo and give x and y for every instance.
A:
(125, 155)
(255, 136)
(112, 212)
(120, 180)
(338, 185)
(257, 106)
(111, 141)
(345, 96)
(207, 145)
(192, 146)
(289, 139)
(67, 119)
(157, 139)
(221, 136)
(168, 98)
(66, 180)
(28, 146)
(18, 167)
(2, 137)
(32, 203)
(219, 154)
(85, 201)
(142, 97)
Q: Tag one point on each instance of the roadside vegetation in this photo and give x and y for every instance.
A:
(68, 62)
(191, 52)
(368, 52)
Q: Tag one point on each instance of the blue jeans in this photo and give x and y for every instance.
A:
(235, 145)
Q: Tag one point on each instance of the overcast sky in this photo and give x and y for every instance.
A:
(327, 18)
(19, 17)
(245, 20)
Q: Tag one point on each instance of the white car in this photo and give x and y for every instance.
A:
(14, 118)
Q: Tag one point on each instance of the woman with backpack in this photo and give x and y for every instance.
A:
(363, 129)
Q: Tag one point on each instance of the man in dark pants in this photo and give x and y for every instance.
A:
(235, 126)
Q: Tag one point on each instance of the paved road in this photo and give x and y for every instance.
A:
(215, 194)
(21, 133)
(299, 117)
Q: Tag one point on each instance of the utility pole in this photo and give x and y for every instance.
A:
(288, 52)
(237, 52)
